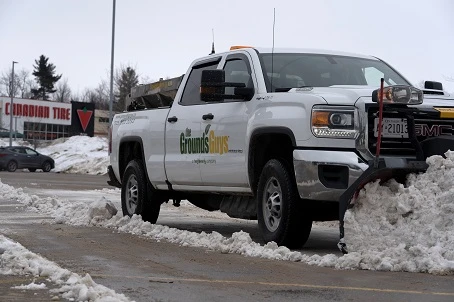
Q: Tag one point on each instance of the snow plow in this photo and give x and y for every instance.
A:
(397, 100)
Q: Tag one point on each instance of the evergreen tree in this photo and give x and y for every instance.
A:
(125, 79)
(44, 73)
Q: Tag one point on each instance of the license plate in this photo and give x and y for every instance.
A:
(392, 127)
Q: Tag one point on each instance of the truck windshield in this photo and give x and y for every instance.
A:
(284, 71)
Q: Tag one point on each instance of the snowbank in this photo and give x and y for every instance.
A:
(410, 228)
(79, 154)
(17, 260)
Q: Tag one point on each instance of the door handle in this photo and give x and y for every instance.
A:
(172, 119)
(208, 116)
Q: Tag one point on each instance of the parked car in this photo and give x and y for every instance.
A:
(4, 133)
(16, 157)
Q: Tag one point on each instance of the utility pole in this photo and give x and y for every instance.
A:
(11, 108)
(112, 64)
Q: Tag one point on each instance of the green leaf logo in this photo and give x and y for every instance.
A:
(207, 129)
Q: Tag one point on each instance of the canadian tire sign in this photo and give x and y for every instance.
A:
(83, 119)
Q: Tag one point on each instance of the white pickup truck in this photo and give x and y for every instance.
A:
(275, 135)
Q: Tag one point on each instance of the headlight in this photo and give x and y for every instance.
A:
(334, 122)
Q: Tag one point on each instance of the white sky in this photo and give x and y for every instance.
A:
(161, 38)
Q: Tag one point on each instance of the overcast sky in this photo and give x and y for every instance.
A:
(161, 38)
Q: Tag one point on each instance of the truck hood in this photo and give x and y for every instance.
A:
(338, 95)
(349, 95)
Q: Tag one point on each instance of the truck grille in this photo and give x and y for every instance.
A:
(427, 124)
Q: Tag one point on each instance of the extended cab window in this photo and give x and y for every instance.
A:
(191, 93)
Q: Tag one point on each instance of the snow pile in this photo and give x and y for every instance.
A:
(79, 154)
(397, 228)
(78, 213)
(31, 286)
(18, 142)
(17, 260)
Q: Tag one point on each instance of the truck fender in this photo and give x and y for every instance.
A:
(255, 162)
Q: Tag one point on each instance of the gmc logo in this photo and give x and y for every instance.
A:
(434, 130)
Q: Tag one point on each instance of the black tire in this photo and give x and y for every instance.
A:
(47, 166)
(280, 211)
(11, 166)
(32, 169)
(136, 197)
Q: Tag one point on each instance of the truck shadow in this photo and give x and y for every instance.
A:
(322, 240)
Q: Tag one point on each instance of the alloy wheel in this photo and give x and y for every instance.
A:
(272, 204)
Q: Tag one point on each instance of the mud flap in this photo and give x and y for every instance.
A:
(385, 169)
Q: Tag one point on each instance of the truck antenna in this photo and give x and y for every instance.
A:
(272, 50)
(212, 44)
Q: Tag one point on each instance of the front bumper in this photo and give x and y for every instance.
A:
(325, 175)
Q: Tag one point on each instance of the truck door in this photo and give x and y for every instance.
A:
(225, 125)
(184, 139)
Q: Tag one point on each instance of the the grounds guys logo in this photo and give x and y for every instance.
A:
(209, 142)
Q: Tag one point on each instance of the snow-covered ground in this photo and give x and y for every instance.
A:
(391, 227)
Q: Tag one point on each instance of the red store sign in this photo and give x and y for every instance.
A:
(57, 113)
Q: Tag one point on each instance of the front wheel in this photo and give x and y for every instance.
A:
(280, 211)
(47, 166)
(136, 198)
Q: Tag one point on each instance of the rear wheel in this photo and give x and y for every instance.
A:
(12, 166)
(47, 166)
(136, 197)
(280, 211)
(32, 169)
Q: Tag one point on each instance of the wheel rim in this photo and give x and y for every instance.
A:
(12, 166)
(46, 167)
(272, 204)
(132, 194)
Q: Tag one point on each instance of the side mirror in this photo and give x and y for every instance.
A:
(212, 87)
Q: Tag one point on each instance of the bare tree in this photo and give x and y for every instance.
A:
(5, 82)
(63, 93)
(98, 96)
(25, 83)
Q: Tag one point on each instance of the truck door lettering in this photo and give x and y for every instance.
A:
(204, 144)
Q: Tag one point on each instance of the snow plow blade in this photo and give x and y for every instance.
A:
(387, 168)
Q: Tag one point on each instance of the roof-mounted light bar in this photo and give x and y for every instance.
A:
(239, 47)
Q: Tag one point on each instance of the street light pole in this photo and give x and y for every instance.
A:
(112, 64)
(11, 108)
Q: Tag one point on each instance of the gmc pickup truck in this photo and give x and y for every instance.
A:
(278, 135)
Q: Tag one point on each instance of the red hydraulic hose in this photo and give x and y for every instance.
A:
(380, 120)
